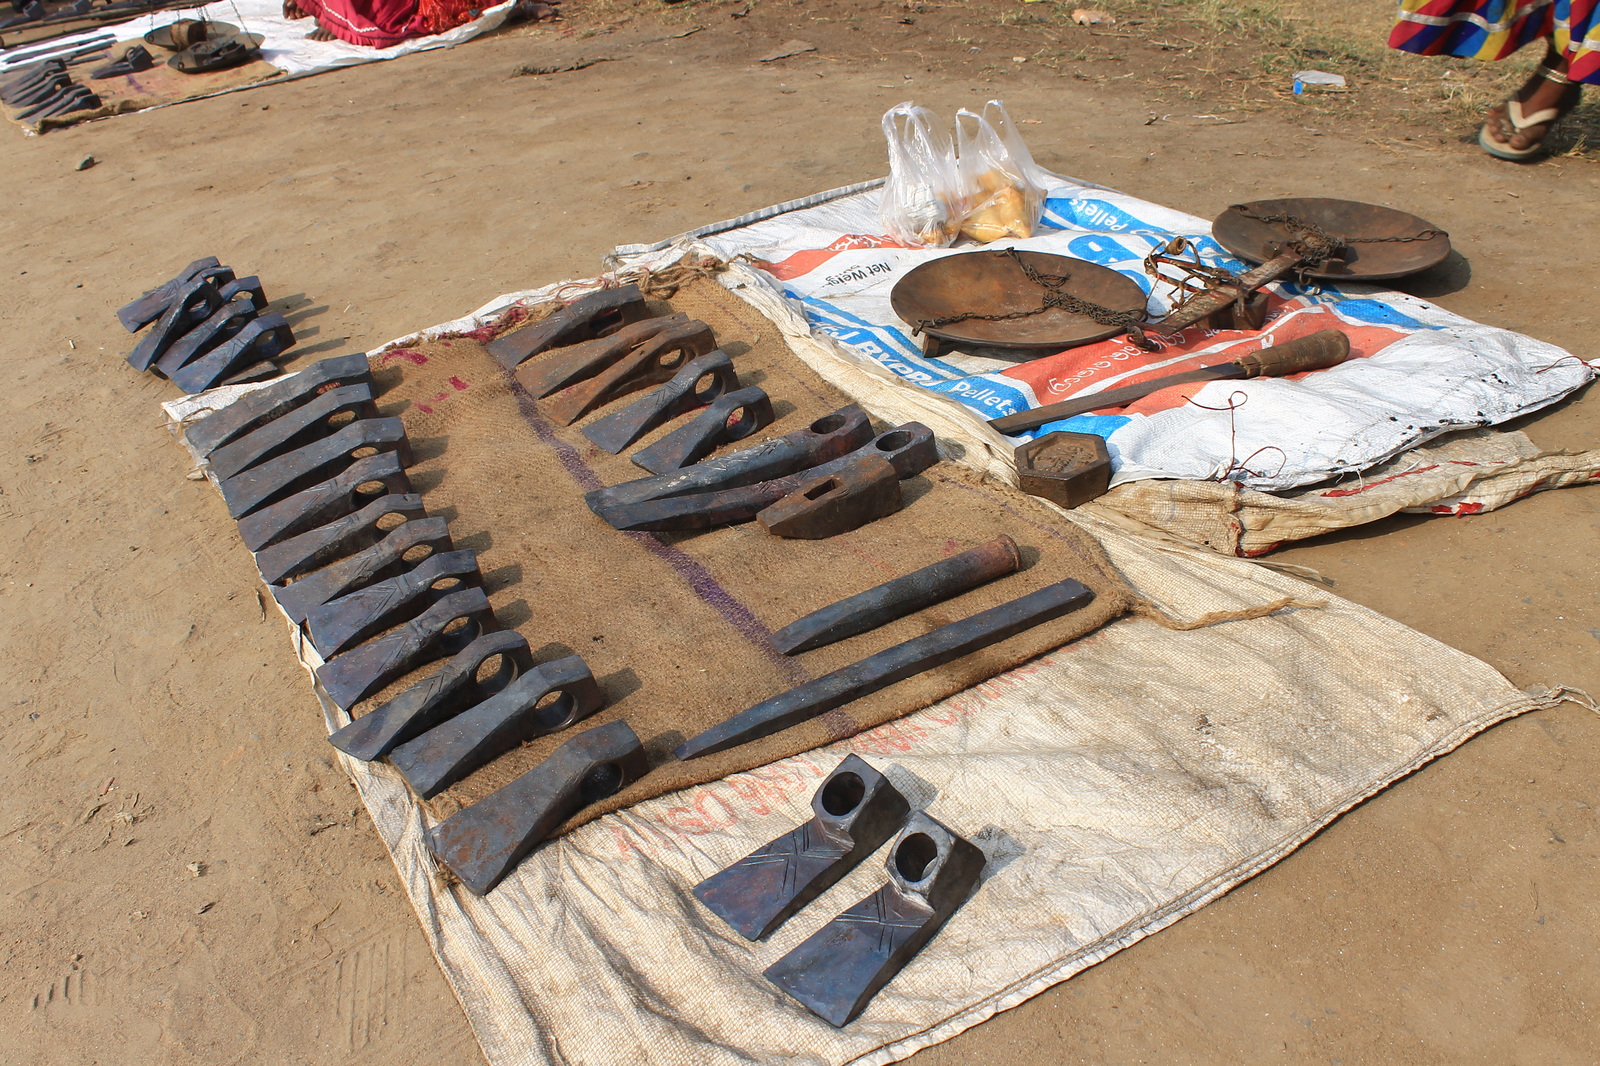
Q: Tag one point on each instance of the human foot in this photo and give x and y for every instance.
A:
(321, 33)
(292, 10)
(1517, 128)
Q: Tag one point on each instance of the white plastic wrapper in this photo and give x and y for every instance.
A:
(924, 201)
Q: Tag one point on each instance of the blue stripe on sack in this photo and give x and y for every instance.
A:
(1099, 425)
(884, 345)
(990, 396)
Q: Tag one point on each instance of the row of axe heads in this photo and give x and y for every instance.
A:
(605, 345)
(206, 327)
(317, 481)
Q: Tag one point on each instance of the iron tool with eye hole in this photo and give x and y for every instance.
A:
(838, 969)
(854, 811)
(485, 842)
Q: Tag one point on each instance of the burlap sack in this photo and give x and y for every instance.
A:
(676, 627)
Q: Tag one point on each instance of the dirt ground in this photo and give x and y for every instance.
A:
(187, 877)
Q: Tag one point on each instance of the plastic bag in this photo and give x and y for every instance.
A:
(925, 199)
(1002, 181)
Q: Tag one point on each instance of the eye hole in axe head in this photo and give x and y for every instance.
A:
(354, 488)
(261, 340)
(653, 362)
(254, 410)
(342, 537)
(410, 543)
(587, 317)
(459, 684)
(865, 491)
(854, 811)
(190, 305)
(447, 627)
(271, 481)
(344, 622)
(545, 700)
(701, 381)
(732, 417)
(485, 842)
(837, 970)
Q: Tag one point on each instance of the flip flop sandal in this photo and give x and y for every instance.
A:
(1547, 117)
(218, 54)
(185, 33)
(133, 61)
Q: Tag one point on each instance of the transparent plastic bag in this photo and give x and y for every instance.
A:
(1004, 184)
(925, 199)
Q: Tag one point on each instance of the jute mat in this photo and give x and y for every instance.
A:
(677, 627)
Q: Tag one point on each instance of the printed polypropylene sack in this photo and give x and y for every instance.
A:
(924, 200)
(999, 174)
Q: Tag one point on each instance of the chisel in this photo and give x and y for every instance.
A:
(1316, 352)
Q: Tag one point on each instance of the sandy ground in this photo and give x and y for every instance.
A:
(187, 879)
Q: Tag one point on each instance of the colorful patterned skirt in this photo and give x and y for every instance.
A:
(1493, 29)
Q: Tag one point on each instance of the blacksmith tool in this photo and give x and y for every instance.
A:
(854, 811)
(425, 536)
(38, 90)
(358, 673)
(700, 382)
(339, 538)
(14, 88)
(485, 842)
(261, 339)
(920, 589)
(191, 305)
(651, 363)
(133, 61)
(827, 438)
(1068, 469)
(563, 367)
(584, 318)
(1319, 351)
(250, 286)
(72, 98)
(829, 504)
(935, 648)
(296, 428)
(342, 623)
(139, 313)
(439, 697)
(223, 325)
(545, 700)
(320, 504)
(442, 695)
(731, 417)
(840, 967)
(908, 448)
(260, 407)
(269, 482)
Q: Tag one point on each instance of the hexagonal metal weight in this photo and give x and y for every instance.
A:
(1065, 468)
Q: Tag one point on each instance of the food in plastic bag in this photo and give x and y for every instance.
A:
(925, 199)
(996, 167)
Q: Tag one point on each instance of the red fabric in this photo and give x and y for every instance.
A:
(384, 23)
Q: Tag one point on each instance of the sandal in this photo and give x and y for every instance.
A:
(1547, 117)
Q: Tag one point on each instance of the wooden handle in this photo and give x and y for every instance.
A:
(1316, 352)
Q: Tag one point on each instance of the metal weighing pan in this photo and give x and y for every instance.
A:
(990, 283)
(1249, 239)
